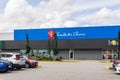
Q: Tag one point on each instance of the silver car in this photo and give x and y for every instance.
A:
(16, 58)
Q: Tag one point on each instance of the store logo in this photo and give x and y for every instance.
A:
(51, 34)
(112, 42)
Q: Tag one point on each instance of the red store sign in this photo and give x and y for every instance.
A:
(51, 34)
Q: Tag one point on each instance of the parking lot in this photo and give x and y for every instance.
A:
(78, 70)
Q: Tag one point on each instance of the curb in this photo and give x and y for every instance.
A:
(62, 61)
(108, 68)
(101, 61)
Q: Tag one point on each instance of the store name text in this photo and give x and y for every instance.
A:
(65, 34)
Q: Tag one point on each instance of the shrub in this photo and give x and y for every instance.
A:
(57, 59)
(46, 59)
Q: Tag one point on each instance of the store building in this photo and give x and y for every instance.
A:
(73, 43)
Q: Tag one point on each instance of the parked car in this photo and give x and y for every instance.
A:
(30, 63)
(16, 58)
(116, 66)
(7, 63)
(3, 67)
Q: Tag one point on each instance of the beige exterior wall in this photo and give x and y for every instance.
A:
(6, 36)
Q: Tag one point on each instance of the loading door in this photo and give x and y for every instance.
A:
(64, 54)
(88, 54)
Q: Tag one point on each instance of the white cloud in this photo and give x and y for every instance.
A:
(56, 13)
(104, 16)
(47, 14)
(15, 14)
(71, 23)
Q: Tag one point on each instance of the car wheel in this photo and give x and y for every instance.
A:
(18, 68)
(12, 66)
(6, 70)
(36, 64)
(27, 65)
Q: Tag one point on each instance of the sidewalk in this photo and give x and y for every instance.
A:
(105, 61)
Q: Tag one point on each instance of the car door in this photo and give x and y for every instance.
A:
(22, 60)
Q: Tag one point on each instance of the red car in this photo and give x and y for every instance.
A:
(29, 63)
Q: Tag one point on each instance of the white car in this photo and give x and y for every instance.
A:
(116, 66)
(117, 70)
(16, 58)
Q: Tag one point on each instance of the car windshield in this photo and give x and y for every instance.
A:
(25, 57)
(19, 56)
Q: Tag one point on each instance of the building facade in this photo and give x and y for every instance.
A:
(73, 43)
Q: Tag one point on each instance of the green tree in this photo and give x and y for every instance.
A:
(28, 48)
(49, 47)
(119, 44)
(55, 48)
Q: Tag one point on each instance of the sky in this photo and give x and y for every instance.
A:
(30, 14)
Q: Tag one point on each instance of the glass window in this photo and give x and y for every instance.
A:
(8, 55)
(2, 55)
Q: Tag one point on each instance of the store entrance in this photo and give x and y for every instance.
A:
(71, 54)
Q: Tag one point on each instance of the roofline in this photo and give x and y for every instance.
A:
(70, 27)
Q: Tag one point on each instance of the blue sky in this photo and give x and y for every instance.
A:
(33, 2)
(3, 4)
(20, 14)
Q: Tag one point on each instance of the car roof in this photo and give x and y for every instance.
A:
(9, 53)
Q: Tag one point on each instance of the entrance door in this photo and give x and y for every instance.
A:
(71, 54)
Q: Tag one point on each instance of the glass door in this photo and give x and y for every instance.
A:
(71, 54)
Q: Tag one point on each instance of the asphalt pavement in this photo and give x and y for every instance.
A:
(78, 70)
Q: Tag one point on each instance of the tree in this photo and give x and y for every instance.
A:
(119, 44)
(28, 48)
(49, 47)
(53, 44)
(55, 49)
